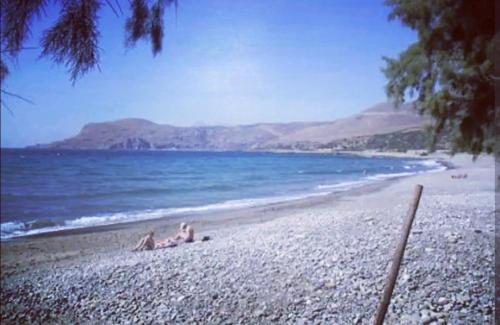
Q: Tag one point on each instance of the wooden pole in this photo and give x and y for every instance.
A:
(398, 256)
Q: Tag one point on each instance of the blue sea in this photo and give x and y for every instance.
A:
(45, 190)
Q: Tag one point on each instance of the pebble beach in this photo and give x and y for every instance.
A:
(318, 261)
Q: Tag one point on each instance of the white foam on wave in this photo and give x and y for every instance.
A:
(11, 226)
(438, 169)
(435, 165)
(342, 185)
(13, 229)
(19, 229)
(429, 163)
(377, 177)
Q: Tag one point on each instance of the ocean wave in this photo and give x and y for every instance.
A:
(342, 185)
(11, 226)
(13, 229)
(320, 172)
(16, 228)
(390, 175)
(433, 165)
(438, 169)
(121, 193)
(19, 229)
(95, 194)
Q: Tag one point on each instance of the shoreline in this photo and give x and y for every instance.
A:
(62, 243)
(115, 237)
(322, 260)
(211, 209)
(411, 153)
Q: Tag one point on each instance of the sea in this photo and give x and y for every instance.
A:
(50, 190)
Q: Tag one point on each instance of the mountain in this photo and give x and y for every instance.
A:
(365, 130)
(380, 119)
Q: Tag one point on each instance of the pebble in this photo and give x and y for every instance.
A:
(316, 266)
(442, 301)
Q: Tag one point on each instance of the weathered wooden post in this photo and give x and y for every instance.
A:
(398, 256)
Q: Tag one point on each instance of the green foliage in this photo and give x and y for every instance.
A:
(449, 71)
(136, 25)
(73, 40)
(17, 17)
(147, 23)
(74, 37)
(4, 71)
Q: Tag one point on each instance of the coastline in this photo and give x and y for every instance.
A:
(15, 230)
(297, 239)
(441, 155)
(90, 238)
(59, 247)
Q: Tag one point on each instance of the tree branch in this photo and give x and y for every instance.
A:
(21, 48)
(3, 104)
(17, 96)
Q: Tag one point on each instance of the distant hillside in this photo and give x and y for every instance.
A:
(401, 141)
(369, 129)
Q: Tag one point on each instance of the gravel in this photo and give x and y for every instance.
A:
(327, 265)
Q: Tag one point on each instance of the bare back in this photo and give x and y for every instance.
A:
(189, 234)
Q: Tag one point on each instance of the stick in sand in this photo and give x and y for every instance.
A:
(398, 256)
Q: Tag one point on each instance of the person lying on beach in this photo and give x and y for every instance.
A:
(146, 243)
(186, 233)
(166, 243)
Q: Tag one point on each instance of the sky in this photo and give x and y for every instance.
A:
(224, 62)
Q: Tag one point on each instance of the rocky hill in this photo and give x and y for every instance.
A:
(379, 127)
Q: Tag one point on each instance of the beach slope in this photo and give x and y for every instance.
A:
(317, 261)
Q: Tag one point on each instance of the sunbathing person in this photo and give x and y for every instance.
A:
(185, 233)
(146, 243)
(168, 242)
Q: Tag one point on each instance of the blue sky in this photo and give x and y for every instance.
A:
(223, 62)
